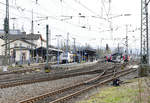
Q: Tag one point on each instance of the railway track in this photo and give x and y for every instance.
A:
(29, 69)
(5, 83)
(20, 71)
(63, 94)
(12, 83)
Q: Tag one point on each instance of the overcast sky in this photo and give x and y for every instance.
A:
(97, 30)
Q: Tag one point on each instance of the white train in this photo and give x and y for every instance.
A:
(66, 57)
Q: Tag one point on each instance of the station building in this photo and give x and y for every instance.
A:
(26, 48)
(30, 48)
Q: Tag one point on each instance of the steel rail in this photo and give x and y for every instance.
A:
(34, 99)
(37, 98)
(58, 76)
(62, 99)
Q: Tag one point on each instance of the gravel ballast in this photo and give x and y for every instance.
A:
(18, 93)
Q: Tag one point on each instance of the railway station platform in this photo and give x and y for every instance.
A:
(73, 65)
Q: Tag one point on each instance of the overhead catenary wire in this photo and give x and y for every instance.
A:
(105, 9)
(23, 9)
(35, 13)
(51, 17)
(30, 11)
(109, 9)
(18, 16)
(84, 6)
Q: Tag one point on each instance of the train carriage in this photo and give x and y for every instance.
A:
(66, 57)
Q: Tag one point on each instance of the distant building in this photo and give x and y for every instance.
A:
(26, 48)
(22, 46)
(19, 50)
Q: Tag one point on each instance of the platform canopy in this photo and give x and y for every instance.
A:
(87, 51)
(51, 51)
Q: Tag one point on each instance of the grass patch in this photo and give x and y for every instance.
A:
(127, 93)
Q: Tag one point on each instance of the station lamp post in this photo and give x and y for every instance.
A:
(78, 48)
(79, 54)
(47, 32)
(74, 50)
(67, 46)
(58, 59)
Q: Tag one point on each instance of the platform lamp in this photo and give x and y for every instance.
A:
(58, 36)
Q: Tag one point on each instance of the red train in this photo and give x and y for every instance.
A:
(117, 58)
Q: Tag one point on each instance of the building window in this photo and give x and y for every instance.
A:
(24, 56)
(15, 45)
(20, 44)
